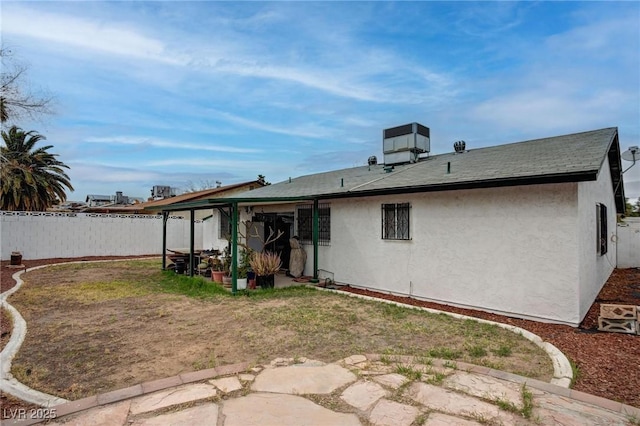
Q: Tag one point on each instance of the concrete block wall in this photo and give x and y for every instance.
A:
(628, 243)
(47, 235)
(619, 318)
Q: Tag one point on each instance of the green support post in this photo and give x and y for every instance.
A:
(165, 216)
(316, 232)
(192, 233)
(234, 248)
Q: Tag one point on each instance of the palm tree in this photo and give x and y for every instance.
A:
(31, 179)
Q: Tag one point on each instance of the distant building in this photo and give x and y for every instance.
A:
(160, 192)
(118, 200)
(94, 200)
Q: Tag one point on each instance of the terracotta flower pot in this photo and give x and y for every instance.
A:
(217, 276)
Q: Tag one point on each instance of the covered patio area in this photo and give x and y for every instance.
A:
(239, 211)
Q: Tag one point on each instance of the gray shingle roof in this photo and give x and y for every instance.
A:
(567, 158)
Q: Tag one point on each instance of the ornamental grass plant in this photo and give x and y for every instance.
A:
(265, 263)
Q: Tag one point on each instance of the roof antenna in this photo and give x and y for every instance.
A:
(632, 154)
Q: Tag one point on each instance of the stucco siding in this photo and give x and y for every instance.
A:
(595, 269)
(510, 250)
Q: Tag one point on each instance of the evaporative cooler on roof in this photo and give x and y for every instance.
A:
(404, 144)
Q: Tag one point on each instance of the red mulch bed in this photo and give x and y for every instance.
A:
(607, 362)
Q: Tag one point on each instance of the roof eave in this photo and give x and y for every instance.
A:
(581, 176)
(487, 183)
(225, 202)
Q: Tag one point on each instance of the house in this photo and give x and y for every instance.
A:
(95, 200)
(526, 229)
(99, 203)
(215, 223)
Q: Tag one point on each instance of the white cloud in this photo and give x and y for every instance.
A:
(547, 109)
(83, 33)
(307, 130)
(87, 172)
(155, 142)
(356, 78)
(202, 162)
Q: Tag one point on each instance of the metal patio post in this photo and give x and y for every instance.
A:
(316, 231)
(234, 248)
(192, 232)
(165, 216)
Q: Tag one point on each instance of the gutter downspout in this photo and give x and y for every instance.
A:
(234, 248)
(165, 216)
(316, 231)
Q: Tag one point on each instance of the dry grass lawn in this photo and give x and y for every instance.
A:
(95, 327)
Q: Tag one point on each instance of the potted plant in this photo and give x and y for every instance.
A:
(243, 268)
(226, 267)
(265, 264)
(216, 268)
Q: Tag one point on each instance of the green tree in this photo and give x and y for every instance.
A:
(632, 209)
(30, 179)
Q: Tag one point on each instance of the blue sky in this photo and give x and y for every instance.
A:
(167, 93)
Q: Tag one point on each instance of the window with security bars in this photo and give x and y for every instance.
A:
(601, 233)
(395, 221)
(305, 224)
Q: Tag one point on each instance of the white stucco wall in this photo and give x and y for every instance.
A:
(48, 235)
(510, 250)
(628, 243)
(595, 269)
(211, 231)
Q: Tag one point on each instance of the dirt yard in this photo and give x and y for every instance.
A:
(201, 330)
(99, 327)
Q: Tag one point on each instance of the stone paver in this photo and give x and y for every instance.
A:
(261, 409)
(393, 380)
(440, 399)
(439, 419)
(355, 359)
(173, 396)
(302, 379)
(199, 415)
(485, 387)
(247, 377)
(280, 395)
(391, 413)
(108, 415)
(363, 395)
(563, 411)
(227, 384)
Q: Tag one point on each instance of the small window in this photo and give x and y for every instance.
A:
(601, 233)
(305, 224)
(395, 221)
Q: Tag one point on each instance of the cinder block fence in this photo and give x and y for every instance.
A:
(42, 235)
(619, 318)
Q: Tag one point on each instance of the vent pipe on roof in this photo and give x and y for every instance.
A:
(459, 146)
(373, 160)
